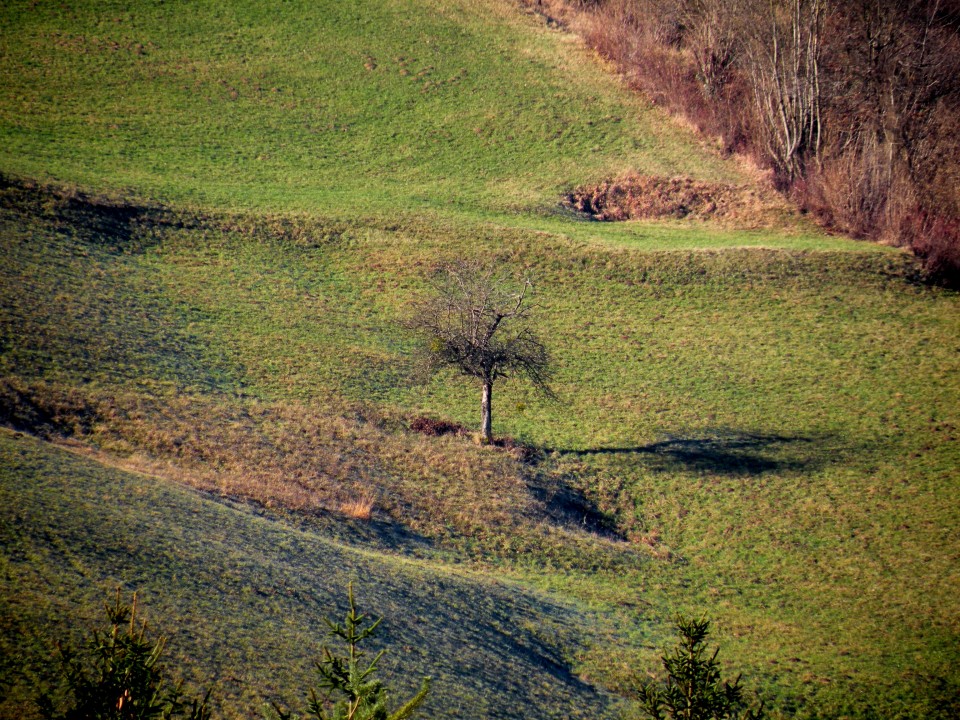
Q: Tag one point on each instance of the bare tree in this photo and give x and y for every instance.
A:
(897, 116)
(477, 322)
(710, 33)
(783, 59)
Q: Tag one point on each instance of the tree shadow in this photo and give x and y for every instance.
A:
(567, 505)
(114, 223)
(722, 452)
(727, 452)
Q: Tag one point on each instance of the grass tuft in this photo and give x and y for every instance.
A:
(360, 508)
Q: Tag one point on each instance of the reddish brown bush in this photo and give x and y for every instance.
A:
(936, 241)
(691, 74)
(635, 197)
(436, 428)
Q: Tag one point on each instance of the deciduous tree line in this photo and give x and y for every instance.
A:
(853, 105)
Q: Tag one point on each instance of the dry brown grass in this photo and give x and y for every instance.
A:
(341, 462)
(338, 459)
(360, 508)
(635, 197)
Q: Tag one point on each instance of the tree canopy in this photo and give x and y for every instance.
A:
(478, 321)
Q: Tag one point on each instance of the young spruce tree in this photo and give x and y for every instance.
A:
(347, 689)
(693, 689)
(117, 675)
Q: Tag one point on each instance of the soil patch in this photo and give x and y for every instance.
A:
(640, 197)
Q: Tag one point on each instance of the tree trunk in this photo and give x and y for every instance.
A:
(485, 421)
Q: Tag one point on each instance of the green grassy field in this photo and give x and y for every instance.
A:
(241, 597)
(200, 321)
(387, 112)
(359, 107)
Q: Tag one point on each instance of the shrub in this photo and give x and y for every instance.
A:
(436, 428)
(852, 106)
(936, 241)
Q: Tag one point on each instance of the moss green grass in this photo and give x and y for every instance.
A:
(772, 433)
(766, 420)
(440, 111)
(349, 106)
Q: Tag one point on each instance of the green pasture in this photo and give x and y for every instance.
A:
(770, 435)
(435, 111)
(214, 218)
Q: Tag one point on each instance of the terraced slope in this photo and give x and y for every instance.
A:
(755, 424)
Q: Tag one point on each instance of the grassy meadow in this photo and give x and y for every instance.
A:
(212, 223)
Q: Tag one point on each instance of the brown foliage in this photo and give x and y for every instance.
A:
(436, 428)
(680, 66)
(873, 144)
(936, 240)
(645, 196)
(336, 461)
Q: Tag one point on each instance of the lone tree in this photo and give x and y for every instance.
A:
(478, 322)
(694, 689)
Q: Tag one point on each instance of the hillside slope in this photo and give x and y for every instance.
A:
(759, 425)
(442, 109)
(765, 473)
(241, 597)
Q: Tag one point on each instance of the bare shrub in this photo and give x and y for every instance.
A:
(435, 428)
(850, 190)
(936, 240)
(646, 196)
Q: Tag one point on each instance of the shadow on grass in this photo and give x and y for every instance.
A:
(246, 597)
(565, 504)
(727, 452)
(114, 223)
(384, 535)
(724, 452)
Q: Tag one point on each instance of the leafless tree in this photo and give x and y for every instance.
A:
(478, 322)
(710, 33)
(898, 111)
(783, 55)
